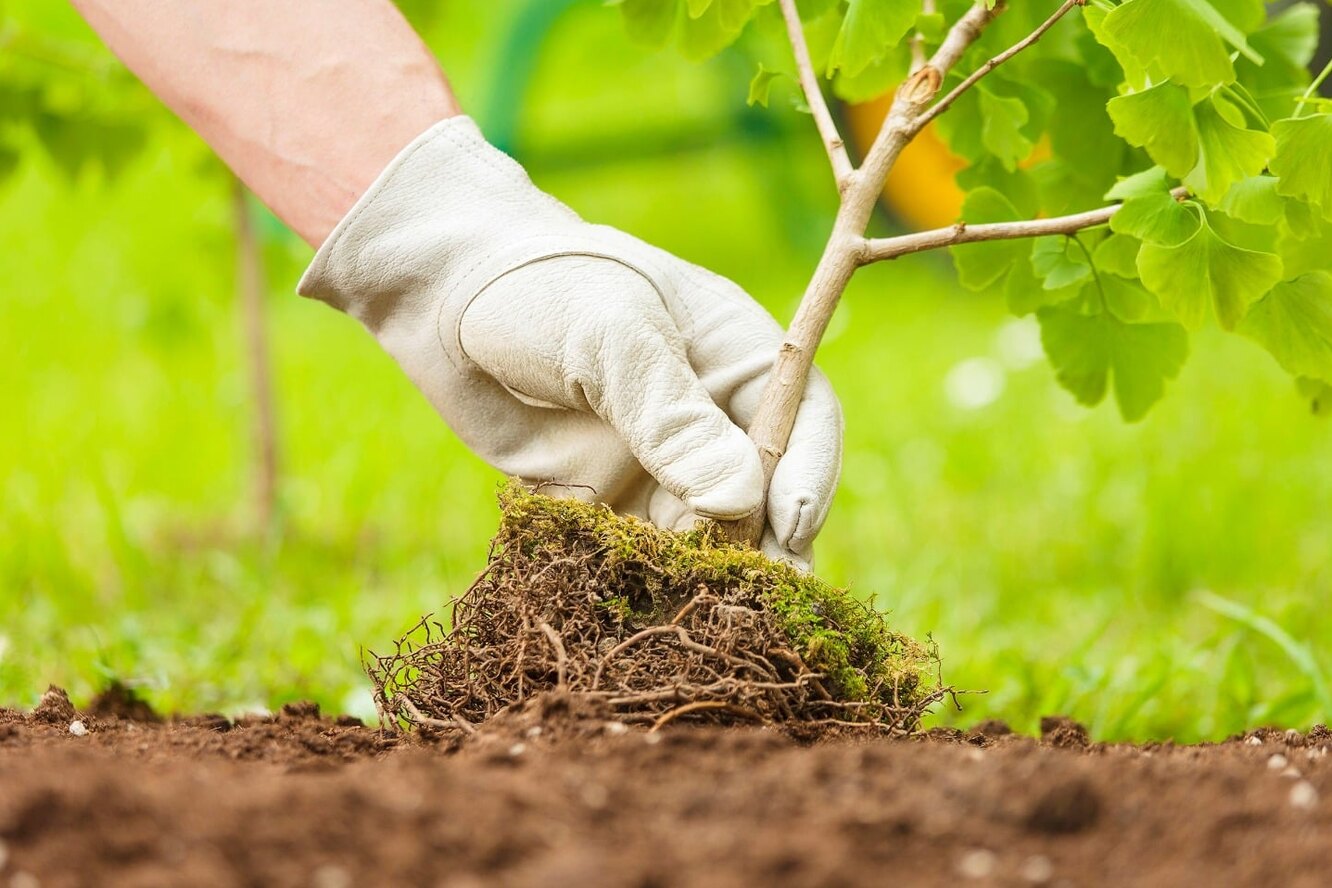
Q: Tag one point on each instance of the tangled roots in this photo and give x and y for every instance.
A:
(651, 626)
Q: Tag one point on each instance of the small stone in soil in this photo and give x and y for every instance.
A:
(1254, 741)
(1292, 773)
(1303, 796)
(1277, 762)
(332, 876)
(78, 728)
(517, 749)
(1036, 869)
(976, 864)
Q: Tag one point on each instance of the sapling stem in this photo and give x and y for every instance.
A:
(847, 249)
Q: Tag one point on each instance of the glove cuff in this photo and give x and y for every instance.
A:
(429, 225)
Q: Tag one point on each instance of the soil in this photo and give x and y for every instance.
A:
(542, 796)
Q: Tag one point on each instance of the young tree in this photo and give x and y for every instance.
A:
(1134, 169)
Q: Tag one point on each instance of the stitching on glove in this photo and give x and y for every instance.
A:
(588, 254)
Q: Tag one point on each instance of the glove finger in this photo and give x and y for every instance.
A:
(778, 552)
(803, 484)
(591, 333)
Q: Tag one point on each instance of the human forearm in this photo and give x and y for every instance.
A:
(306, 101)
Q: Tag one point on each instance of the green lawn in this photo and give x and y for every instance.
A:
(1063, 561)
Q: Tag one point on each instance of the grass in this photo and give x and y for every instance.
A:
(1055, 554)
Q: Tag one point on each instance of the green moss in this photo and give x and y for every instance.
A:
(646, 575)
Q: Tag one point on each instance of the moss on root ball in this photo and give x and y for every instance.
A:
(653, 625)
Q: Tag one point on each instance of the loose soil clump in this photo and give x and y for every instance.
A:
(649, 627)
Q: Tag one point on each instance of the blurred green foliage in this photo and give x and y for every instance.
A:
(1168, 578)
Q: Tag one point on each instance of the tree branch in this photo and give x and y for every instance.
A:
(884, 248)
(809, 84)
(942, 105)
(899, 126)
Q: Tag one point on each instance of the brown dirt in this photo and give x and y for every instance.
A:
(540, 797)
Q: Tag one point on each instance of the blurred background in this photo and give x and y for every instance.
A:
(165, 524)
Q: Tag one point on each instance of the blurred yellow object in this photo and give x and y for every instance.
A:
(920, 189)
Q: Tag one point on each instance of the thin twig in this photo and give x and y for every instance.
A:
(901, 122)
(942, 105)
(818, 106)
(884, 248)
(918, 40)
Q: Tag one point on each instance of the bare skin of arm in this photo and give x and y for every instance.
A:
(307, 101)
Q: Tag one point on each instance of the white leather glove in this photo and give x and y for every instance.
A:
(573, 353)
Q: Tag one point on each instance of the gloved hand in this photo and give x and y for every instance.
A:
(568, 352)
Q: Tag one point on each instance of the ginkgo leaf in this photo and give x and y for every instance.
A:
(1254, 200)
(761, 85)
(650, 21)
(715, 27)
(870, 29)
(1170, 36)
(1228, 152)
(1306, 246)
(1059, 262)
(1303, 161)
(1118, 254)
(1159, 120)
(982, 265)
(1002, 120)
(1206, 270)
(1294, 323)
(1150, 212)
(1091, 352)
(1288, 42)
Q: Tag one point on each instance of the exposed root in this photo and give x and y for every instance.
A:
(654, 627)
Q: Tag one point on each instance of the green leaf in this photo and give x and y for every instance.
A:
(1159, 120)
(698, 7)
(1228, 152)
(1254, 200)
(982, 265)
(1223, 26)
(1287, 42)
(1303, 161)
(1089, 352)
(1170, 36)
(715, 28)
(1118, 254)
(1206, 270)
(650, 21)
(1150, 212)
(1305, 243)
(1294, 323)
(1002, 119)
(1134, 72)
(1127, 299)
(1081, 131)
(870, 29)
(931, 26)
(1059, 262)
(1149, 182)
(760, 85)
(1246, 15)
(1016, 185)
